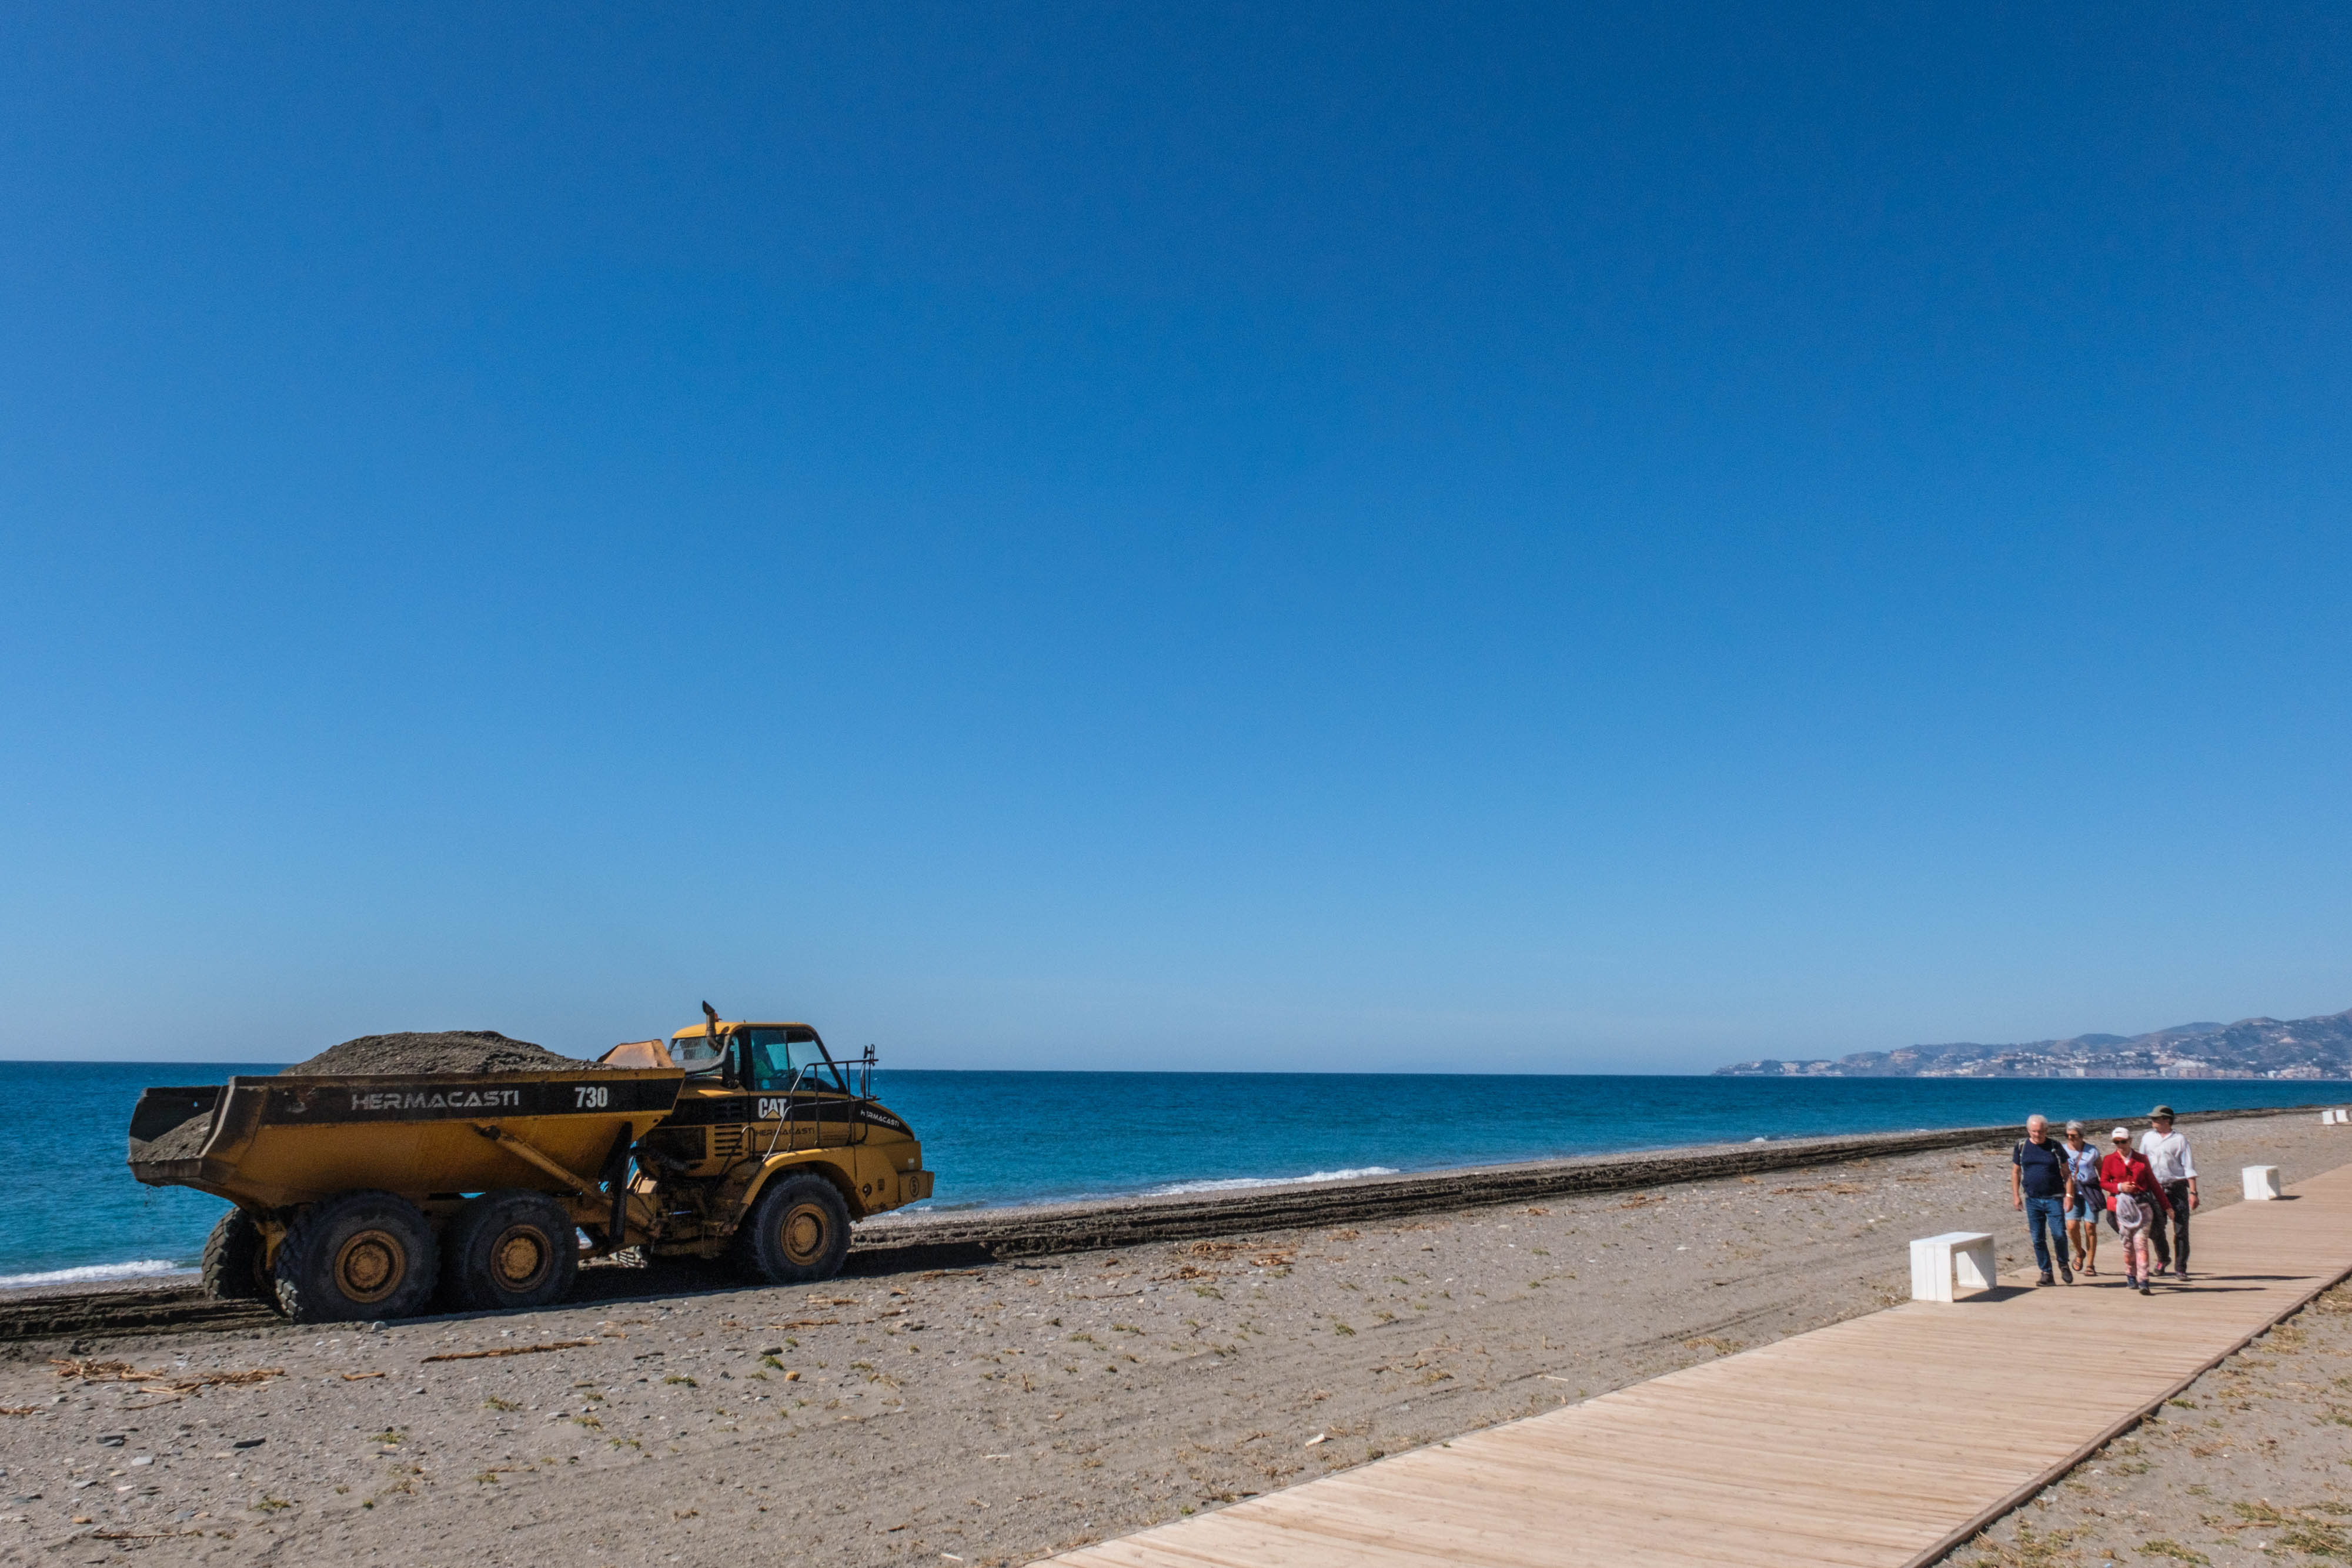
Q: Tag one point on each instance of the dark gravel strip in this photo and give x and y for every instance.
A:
(926, 1241)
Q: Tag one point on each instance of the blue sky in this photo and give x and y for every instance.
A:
(1530, 539)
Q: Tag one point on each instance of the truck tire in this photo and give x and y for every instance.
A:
(797, 1232)
(362, 1255)
(510, 1248)
(233, 1255)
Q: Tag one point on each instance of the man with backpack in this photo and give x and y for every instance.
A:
(2043, 1184)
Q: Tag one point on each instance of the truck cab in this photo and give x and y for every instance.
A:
(764, 1101)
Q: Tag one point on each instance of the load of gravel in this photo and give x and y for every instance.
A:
(435, 1053)
(184, 1142)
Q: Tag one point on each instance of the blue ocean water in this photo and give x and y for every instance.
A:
(998, 1138)
(72, 1204)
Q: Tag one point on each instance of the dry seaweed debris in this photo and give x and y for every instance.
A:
(159, 1379)
(509, 1350)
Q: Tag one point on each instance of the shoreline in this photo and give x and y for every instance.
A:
(1088, 1223)
(962, 1238)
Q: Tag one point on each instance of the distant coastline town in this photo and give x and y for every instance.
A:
(2251, 1047)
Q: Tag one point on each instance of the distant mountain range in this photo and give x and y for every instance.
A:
(2251, 1047)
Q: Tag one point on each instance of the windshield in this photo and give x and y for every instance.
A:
(695, 1053)
(787, 1059)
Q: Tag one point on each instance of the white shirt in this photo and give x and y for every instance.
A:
(2168, 1156)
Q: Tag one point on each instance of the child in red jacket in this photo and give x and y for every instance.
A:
(2132, 1197)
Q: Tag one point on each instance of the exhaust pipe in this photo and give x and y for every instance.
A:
(727, 1074)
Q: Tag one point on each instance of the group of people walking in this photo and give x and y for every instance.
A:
(2145, 1193)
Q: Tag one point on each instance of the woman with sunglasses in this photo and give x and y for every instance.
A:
(2083, 1215)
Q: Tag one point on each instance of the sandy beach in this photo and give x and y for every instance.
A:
(988, 1414)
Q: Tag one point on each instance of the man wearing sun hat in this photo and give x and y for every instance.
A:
(2176, 1172)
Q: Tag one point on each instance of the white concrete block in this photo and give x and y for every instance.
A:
(1943, 1266)
(2262, 1182)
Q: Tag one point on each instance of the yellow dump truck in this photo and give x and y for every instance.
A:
(375, 1195)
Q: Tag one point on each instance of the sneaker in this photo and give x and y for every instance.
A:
(2143, 1289)
(2045, 1279)
(2065, 1273)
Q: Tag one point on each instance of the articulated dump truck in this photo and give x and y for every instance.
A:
(380, 1195)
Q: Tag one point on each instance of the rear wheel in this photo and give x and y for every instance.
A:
(798, 1231)
(232, 1254)
(362, 1255)
(507, 1250)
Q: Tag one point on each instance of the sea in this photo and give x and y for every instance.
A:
(72, 1211)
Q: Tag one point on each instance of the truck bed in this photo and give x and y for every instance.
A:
(268, 1142)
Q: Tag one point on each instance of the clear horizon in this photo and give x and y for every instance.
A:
(1353, 1073)
(1540, 540)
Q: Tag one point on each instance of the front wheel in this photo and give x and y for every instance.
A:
(362, 1255)
(797, 1232)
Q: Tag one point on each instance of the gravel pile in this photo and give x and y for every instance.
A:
(432, 1053)
(184, 1142)
(437, 1052)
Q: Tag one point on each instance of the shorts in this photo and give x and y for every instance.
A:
(2087, 1209)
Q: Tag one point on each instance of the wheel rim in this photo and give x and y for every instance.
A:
(806, 1233)
(520, 1257)
(371, 1266)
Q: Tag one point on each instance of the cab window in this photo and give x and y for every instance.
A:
(785, 1060)
(695, 1053)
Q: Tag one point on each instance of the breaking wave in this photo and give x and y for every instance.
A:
(1235, 1184)
(146, 1268)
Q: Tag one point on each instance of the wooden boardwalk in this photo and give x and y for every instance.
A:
(1876, 1443)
